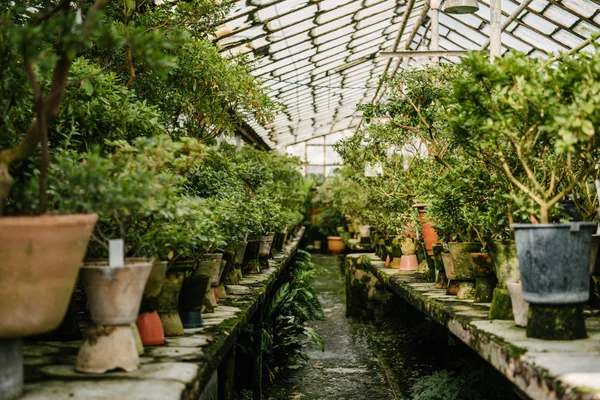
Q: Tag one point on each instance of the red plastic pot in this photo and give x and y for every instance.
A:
(150, 328)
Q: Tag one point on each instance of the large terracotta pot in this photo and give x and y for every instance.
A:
(335, 245)
(429, 235)
(39, 261)
(115, 293)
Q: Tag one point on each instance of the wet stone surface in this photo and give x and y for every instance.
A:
(347, 369)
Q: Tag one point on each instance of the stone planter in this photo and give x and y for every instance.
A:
(506, 268)
(485, 280)
(114, 295)
(209, 266)
(168, 303)
(462, 260)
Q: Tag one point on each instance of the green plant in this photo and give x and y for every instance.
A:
(443, 385)
(531, 122)
(285, 317)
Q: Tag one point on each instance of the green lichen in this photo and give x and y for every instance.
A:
(556, 322)
(501, 307)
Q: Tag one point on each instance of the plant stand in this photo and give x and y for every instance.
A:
(105, 348)
(506, 268)
(11, 368)
(168, 302)
(441, 281)
(556, 322)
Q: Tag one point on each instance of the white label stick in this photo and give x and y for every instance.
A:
(116, 256)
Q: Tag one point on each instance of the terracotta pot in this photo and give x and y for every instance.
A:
(408, 262)
(115, 294)
(137, 339)
(265, 245)
(150, 329)
(40, 260)
(335, 245)
(519, 305)
(462, 260)
(105, 348)
(429, 234)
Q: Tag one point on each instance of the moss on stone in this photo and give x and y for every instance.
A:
(556, 322)
(484, 289)
(501, 307)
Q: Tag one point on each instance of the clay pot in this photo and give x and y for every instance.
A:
(40, 260)
(448, 262)
(506, 263)
(137, 339)
(240, 251)
(209, 266)
(409, 262)
(155, 278)
(11, 368)
(265, 245)
(115, 293)
(462, 260)
(150, 329)
(429, 235)
(365, 231)
(193, 291)
(251, 256)
(168, 302)
(335, 245)
(519, 305)
(106, 348)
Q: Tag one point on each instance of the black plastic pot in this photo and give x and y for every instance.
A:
(191, 319)
(554, 261)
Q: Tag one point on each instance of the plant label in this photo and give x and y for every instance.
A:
(116, 255)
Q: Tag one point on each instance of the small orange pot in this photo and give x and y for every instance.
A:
(409, 263)
(335, 245)
(150, 328)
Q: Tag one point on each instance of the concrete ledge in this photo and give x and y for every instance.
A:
(542, 369)
(181, 369)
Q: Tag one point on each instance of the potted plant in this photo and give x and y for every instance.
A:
(538, 123)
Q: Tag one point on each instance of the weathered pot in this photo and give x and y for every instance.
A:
(448, 262)
(251, 256)
(365, 231)
(429, 235)
(240, 251)
(11, 368)
(595, 246)
(545, 251)
(40, 258)
(462, 260)
(335, 245)
(168, 302)
(213, 264)
(265, 245)
(115, 293)
(519, 306)
(106, 348)
(506, 263)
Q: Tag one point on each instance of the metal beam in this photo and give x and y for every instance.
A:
(495, 29)
(510, 19)
(422, 53)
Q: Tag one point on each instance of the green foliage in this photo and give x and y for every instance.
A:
(443, 385)
(286, 316)
(532, 123)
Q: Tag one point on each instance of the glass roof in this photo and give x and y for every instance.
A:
(320, 58)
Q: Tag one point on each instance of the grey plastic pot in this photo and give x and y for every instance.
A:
(554, 260)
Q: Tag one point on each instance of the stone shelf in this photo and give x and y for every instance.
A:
(553, 370)
(181, 369)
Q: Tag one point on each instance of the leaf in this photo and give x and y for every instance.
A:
(314, 335)
(171, 254)
(87, 87)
